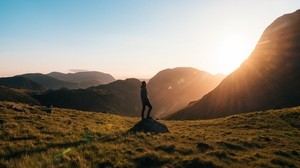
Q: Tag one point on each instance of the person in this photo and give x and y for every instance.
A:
(145, 100)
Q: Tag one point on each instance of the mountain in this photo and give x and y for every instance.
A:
(172, 89)
(12, 95)
(169, 90)
(84, 79)
(268, 79)
(20, 83)
(49, 82)
(57, 80)
(119, 97)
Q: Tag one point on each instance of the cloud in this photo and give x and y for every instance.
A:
(78, 70)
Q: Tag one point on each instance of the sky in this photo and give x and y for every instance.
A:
(132, 38)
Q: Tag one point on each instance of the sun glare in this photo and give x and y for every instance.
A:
(231, 51)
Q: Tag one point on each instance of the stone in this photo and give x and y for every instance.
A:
(149, 126)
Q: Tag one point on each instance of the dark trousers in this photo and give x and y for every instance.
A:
(146, 103)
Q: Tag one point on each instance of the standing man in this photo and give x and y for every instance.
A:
(145, 100)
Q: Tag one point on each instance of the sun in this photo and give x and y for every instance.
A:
(231, 51)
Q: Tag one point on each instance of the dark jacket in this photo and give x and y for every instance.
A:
(144, 94)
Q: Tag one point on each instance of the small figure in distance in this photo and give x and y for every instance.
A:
(145, 100)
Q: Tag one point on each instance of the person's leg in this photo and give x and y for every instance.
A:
(143, 110)
(149, 110)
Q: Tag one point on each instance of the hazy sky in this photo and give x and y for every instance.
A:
(132, 38)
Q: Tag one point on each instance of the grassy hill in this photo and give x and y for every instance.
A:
(33, 137)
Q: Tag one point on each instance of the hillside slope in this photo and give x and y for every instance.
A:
(269, 78)
(20, 83)
(13, 95)
(67, 138)
(119, 97)
(172, 89)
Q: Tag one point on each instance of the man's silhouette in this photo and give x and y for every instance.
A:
(145, 100)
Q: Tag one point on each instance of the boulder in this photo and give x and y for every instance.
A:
(149, 125)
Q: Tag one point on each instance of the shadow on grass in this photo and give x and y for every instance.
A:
(23, 138)
(166, 148)
(196, 162)
(230, 146)
(151, 160)
(282, 163)
(36, 150)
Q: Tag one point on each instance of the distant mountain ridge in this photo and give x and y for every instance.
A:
(269, 78)
(122, 97)
(57, 80)
(49, 82)
(84, 79)
(172, 89)
(169, 90)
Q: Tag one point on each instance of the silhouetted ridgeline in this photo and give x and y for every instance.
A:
(172, 89)
(57, 80)
(119, 97)
(169, 90)
(269, 78)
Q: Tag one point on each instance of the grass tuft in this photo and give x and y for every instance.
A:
(282, 163)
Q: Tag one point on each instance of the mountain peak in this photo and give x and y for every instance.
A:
(268, 79)
(172, 89)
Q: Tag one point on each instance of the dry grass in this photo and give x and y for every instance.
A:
(31, 137)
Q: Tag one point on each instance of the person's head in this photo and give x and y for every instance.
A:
(143, 84)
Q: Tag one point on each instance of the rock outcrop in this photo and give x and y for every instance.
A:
(149, 125)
